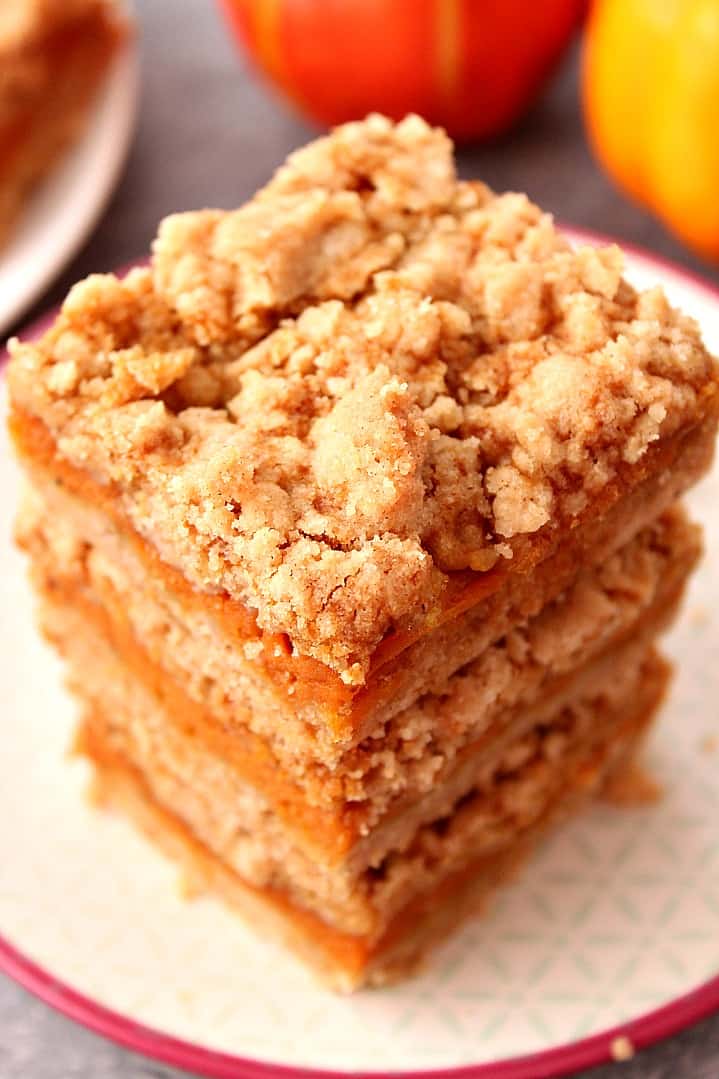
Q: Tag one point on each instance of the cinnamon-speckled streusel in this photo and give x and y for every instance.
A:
(369, 376)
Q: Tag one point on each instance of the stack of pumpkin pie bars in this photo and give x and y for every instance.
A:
(354, 515)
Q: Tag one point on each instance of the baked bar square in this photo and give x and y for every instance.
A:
(363, 499)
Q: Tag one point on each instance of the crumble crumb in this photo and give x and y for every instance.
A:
(370, 376)
(632, 786)
(622, 1049)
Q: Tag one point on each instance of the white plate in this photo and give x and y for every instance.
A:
(615, 925)
(64, 208)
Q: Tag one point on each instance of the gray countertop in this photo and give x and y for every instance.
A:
(209, 135)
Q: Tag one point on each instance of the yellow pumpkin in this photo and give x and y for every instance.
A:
(651, 100)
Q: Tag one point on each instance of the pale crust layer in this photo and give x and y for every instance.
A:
(369, 377)
(346, 961)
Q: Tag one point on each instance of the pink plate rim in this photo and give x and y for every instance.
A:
(651, 1027)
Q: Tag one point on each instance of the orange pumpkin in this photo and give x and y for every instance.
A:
(471, 65)
(651, 95)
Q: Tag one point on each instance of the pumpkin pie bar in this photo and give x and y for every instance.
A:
(362, 498)
(53, 56)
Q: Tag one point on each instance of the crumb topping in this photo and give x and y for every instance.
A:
(368, 377)
(622, 1048)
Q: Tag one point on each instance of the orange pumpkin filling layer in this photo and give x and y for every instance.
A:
(430, 914)
(329, 833)
(303, 680)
